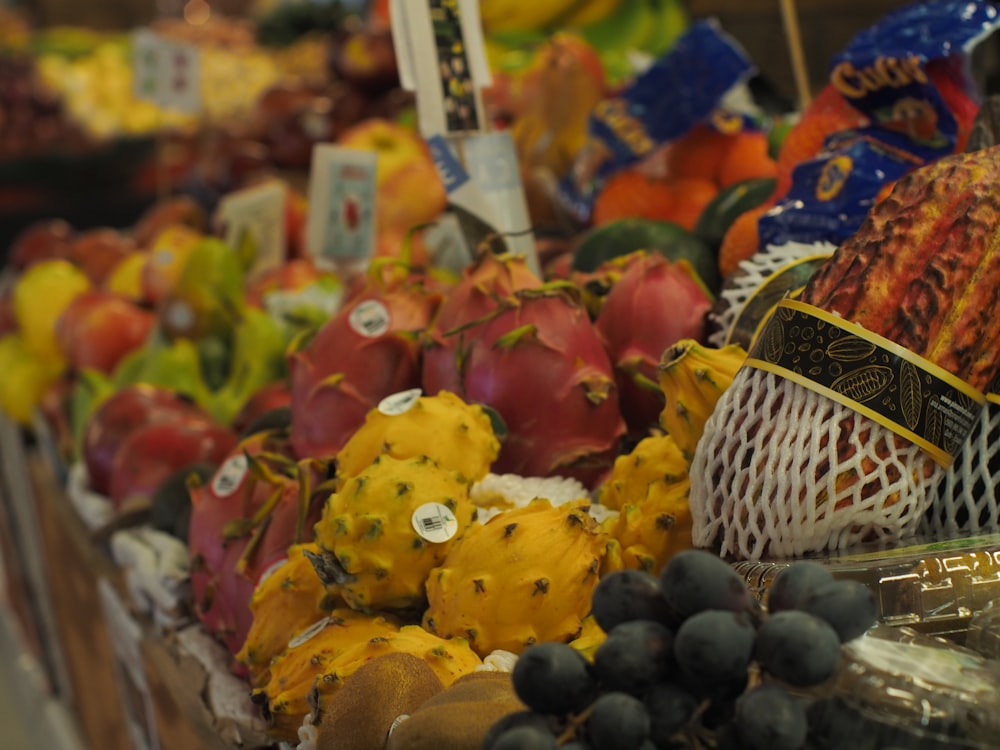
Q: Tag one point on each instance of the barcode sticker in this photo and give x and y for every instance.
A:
(370, 318)
(434, 522)
(399, 403)
(230, 476)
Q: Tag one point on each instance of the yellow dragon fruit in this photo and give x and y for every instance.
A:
(285, 602)
(386, 528)
(285, 688)
(693, 377)
(525, 576)
(457, 435)
(591, 636)
(649, 487)
(449, 658)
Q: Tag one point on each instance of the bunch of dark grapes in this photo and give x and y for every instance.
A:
(690, 661)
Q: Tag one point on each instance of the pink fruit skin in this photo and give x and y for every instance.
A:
(654, 304)
(553, 385)
(120, 414)
(154, 451)
(222, 590)
(489, 279)
(342, 374)
(271, 396)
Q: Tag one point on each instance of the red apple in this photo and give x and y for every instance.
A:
(99, 327)
(43, 240)
(97, 251)
(290, 276)
(153, 452)
(120, 414)
(165, 260)
(177, 210)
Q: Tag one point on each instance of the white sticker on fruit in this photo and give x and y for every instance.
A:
(371, 318)
(271, 569)
(309, 633)
(230, 476)
(434, 522)
(399, 403)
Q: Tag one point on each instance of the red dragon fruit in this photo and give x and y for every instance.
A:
(258, 503)
(538, 361)
(653, 305)
(369, 350)
(483, 284)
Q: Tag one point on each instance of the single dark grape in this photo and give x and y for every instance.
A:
(795, 583)
(715, 646)
(670, 707)
(848, 606)
(554, 678)
(769, 718)
(542, 722)
(797, 647)
(627, 595)
(694, 581)
(617, 721)
(525, 738)
(635, 655)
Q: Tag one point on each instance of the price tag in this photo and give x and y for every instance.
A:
(254, 218)
(441, 57)
(166, 72)
(434, 522)
(399, 403)
(341, 220)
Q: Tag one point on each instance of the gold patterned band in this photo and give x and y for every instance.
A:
(887, 383)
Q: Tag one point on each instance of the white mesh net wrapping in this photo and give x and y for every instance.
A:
(782, 470)
(966, 499)
(754, 271)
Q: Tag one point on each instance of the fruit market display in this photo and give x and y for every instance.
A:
(500, 508)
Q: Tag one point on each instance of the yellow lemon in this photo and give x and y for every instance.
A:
(40, 296)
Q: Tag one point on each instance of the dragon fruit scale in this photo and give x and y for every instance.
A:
(369, 350)
(490, 278)
(525, 576)
(538, 361)
(463, 438)
(386, 528)
(656, 303)
(259, 502)
(287, 600)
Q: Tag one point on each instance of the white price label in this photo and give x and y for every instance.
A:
(309, 633)
(399, 403)
(434, 522)
(256, 215)
(370, 319)
(230, 476)
(341, 214)
(166, 72)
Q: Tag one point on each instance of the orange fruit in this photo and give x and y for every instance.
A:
(828, 113)
(630, 193)
(691, 195)
(747, 158)
(741, 240)
(698, 153)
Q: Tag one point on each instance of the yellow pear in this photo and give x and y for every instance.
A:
(40, 296)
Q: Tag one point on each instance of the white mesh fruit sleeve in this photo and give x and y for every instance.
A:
(782, 470)
(965, 501)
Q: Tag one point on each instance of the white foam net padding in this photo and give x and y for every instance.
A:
(782, 470)
(965, 502)
(754, 271)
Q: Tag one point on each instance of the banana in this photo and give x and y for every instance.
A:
(590, 12)
(507, 16)
(692, 378)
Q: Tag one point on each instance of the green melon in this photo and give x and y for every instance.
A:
(728, 204)
(624, 236)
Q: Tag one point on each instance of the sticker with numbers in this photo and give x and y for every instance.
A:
(255, 216)
(342, 190)
(230, 476)
(370, 318)
(309, 633)
(399, 403)
(434, 522)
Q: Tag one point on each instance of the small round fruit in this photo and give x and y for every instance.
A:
(626, 595)
(848, 606)
(797, 647)
(715, 647)
(618, 721)
(553, 678)
(769, 718)
(694, 581)
(793, 585)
